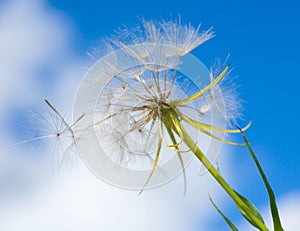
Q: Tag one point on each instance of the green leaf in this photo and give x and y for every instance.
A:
(154, 164)
(179, 156)
(199, 126)
(224, 217)
(253, 209)
(202, 91)
(274, 210)
(196, 124)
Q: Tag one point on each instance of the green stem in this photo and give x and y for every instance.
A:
(199, 154)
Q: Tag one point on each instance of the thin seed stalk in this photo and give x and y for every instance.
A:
(172, 120)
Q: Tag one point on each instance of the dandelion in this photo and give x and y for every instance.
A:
(144, 103)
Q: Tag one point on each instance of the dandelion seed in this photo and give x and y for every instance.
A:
(60, 134)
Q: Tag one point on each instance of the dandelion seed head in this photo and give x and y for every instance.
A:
(138, 97)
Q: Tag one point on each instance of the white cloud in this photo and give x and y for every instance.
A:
(289, 211)
(30, 38)
(80, 201)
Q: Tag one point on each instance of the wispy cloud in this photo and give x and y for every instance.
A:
(80, 201)
(289, 209)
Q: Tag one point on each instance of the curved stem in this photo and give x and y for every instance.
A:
(200, 155)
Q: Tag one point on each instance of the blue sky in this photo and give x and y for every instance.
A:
(262, 38)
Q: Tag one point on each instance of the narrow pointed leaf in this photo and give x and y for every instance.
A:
(201, 92)
(179, 157)
(274, 210)
(154, 164)
(231, 225)
(199, 127)
(213, 128)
